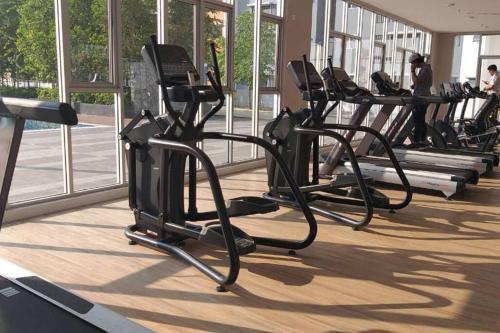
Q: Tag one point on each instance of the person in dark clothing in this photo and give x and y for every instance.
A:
(422, 83)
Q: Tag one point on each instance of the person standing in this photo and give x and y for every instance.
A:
(493, 84)
(422, 83)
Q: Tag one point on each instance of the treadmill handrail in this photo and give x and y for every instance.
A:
(52, 112)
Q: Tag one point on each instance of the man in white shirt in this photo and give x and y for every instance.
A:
(493, 84)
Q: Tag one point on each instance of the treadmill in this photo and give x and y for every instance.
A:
(442, 179)
(29, 303)
(401, 127)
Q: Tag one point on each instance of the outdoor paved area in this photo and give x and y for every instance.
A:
(39, 169)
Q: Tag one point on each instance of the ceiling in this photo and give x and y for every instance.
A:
(444, 15)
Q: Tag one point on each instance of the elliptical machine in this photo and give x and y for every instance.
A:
(157, 151)
(296, 136)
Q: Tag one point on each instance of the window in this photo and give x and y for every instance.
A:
(378, 58)
(380, 28)
(216, 31)
(95, 142)
(89, 41)
(243, 78)
(140, 92)
(28, 69)
(400, 39)
(269, 42)
(366, 45)
(389, 49)
(273, 7)
(490, 45)
(337, 14)
(180, 26)
(335, 49)
(353, 19)
(351, 58)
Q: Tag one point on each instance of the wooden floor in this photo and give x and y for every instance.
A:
(432, 267)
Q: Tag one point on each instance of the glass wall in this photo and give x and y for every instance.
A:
(472, 54)
(28, 69)
(90, 56)
(362, 42)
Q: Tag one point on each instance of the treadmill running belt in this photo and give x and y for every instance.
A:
(23, 311)
(489, 156)
(469, 176)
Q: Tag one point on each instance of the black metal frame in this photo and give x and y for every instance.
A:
(16, 124)
(177, 143)
(310, 130)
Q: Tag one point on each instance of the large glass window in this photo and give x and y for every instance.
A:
(140, 91)
(351, 58)
(216, 27)
(273, 7)
(378, 58)
(366, 45)
(490, 45)
(465, 58)
(318, 33)
(398, 66)
(337, 9)
(89, 40)
(243, 77)
(269, 42)
(28, 69)
(335, 50)
(216, 31)
(181, 27)
(389, 49)
(379, 28)
(400, 37)
(94, 142)
(353, 19)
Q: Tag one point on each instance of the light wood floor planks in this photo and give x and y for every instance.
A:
(432, 267)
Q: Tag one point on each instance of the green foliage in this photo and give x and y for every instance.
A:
(95, 98)
(35, 39)
(243, 50)
(10, 58)
(18, 92)
(47, 94)
(89, 40)
(27, 41)
(138, 23)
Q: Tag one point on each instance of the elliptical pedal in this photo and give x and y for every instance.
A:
(212, 233)
(242, 206)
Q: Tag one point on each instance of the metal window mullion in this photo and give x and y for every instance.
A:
(199, 31)
(119, 97)
(161, 26)
(326, 37)
(229, 78)
(256, 78)
(326, 41)
(90, 89)
(229, 126)
(370, 57)
(216, 4)
(63, 52)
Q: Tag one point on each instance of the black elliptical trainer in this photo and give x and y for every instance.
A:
(157, 150)
(296, 135)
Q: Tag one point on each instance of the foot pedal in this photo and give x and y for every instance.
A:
(243, 206)
(244, 243)
(378, 198)
(346, 180)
